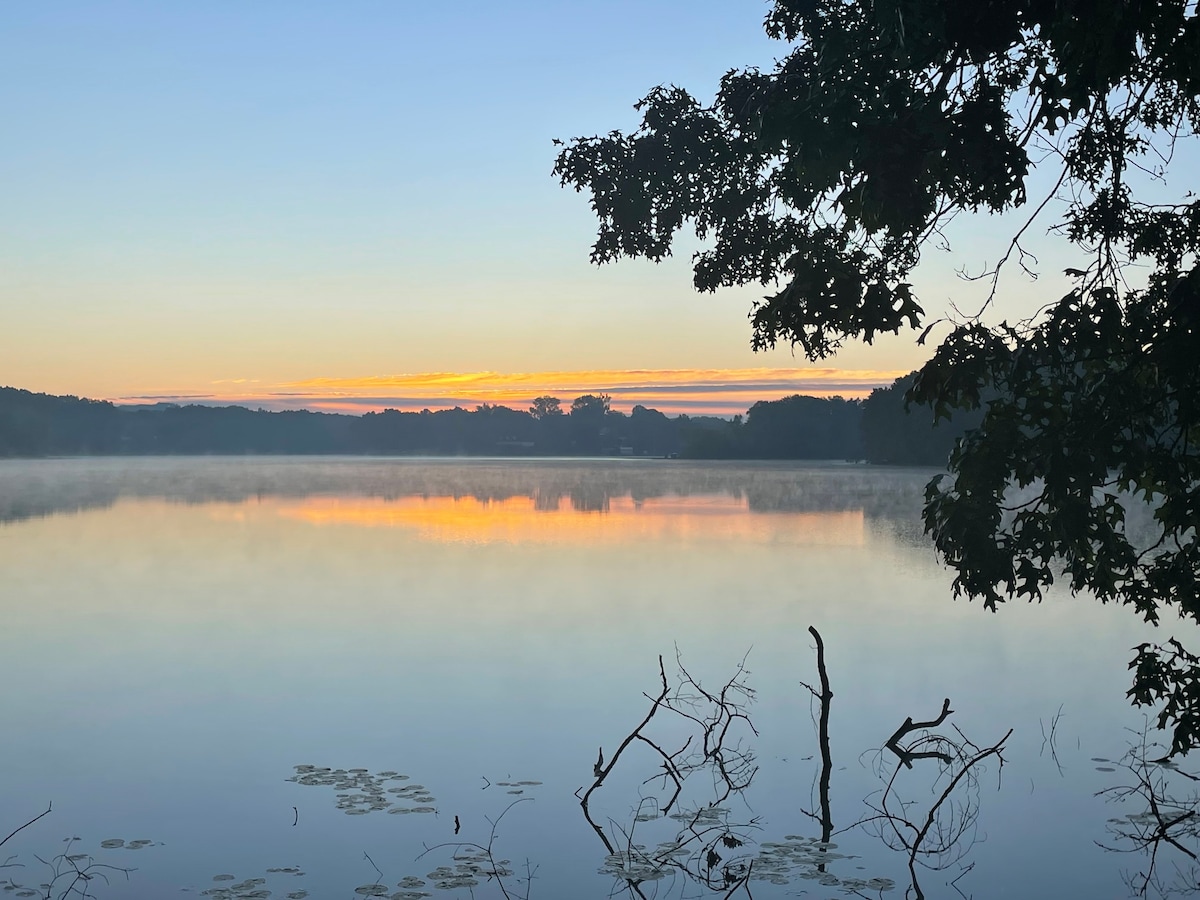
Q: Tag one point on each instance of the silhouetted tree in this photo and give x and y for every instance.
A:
(591, 406)
(899, 433)
(587, 423)
(652, 432)
(825, 177)
(544, 407)
(804, 428)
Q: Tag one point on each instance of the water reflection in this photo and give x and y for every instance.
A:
(186, 632)
(685, 772)
(524, 520)
(34, 488)
(692, 827)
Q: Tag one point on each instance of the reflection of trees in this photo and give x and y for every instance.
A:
(546, 500)
(589, 498)
(30, 489)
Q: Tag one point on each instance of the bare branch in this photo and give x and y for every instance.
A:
(27, 824)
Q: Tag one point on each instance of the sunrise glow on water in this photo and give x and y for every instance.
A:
(558, 521)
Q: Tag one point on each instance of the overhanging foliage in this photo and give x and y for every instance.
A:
(824, 179)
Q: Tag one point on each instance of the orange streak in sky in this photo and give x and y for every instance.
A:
(672, 391)
(521, 383)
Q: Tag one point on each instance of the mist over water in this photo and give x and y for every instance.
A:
(266, 667)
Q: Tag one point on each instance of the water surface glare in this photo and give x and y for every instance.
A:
(294, 676)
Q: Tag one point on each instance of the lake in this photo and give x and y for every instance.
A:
(296, 677)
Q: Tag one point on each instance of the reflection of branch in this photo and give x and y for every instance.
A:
(940, 840)
(931, 818)
(1166, 818)
(743, 882)
(495, 868)
(669, 770)
(710, 850)
(603, 772)
(705, 832)
(1048, 740)
(378, 871)
(66, 866)
(825, 697)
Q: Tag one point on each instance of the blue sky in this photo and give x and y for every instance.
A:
(200, 194)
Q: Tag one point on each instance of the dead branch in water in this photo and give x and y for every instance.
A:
(21, 828)
(906, 755)
(712, 746)
(946, 833)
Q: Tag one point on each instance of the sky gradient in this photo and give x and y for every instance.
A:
(254, 203)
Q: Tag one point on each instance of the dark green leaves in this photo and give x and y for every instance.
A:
(1169, 675)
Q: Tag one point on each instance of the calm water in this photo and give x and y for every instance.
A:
(448, 637)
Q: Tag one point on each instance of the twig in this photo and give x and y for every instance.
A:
(367, 857)
(496, 870)
(744, 882)
(931, 817)
(602, 773)
(27, 824)
(1050, 739)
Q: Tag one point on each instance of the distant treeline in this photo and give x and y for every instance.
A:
(878, 429)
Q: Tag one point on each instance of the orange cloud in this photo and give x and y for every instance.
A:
(722, 392)
(605, 380)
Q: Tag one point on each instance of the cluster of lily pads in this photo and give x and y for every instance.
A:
(516, 787)
(634, 865)
(382, 890)
(121, 843)
(361, 792)
(252, 888)
(470, 864)
(797, 856)
(776, 862)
